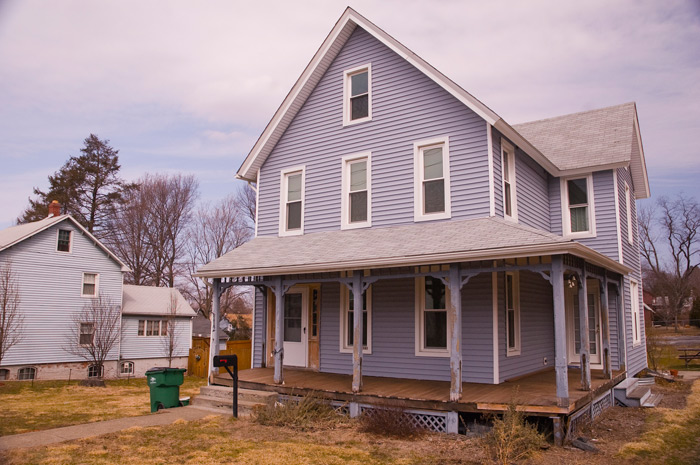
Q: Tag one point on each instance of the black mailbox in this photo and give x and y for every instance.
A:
(225, 360)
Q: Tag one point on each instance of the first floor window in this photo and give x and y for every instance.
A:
(126, 368)
(348, 318)
(432, 298)
(87, 334)
(95, 371)
(152, 328)
(26, 373)
(512, 300)
(89, 284)
(636, 318)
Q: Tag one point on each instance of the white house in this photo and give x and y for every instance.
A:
(59, 267)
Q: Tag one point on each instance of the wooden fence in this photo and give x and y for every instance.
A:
(198, 363)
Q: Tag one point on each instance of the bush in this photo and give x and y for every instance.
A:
(512, 438)
(392, 422)
(309, 412)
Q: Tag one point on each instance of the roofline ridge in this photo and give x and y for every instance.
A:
(577, 113)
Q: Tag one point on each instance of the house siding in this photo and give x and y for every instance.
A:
(636, 355)
(612, 325)
(258, 329)
(406, 107)
(50, 284)
(135, 347)
(536, 327)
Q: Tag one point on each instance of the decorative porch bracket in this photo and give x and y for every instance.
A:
(585, 347)
(562, 379)
(607, 362)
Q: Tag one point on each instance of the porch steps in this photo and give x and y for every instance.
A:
(632, 393)
(219, 399)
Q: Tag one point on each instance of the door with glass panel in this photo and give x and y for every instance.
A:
(573, 323)
(295, 334)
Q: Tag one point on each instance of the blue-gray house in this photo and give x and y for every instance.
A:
(486, 254)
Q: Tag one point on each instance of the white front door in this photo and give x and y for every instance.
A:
(573, 324)
(295, 323)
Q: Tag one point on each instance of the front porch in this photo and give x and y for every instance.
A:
(537, 393)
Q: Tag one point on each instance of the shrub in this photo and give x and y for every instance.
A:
(309, 412)
(392, 422)
(511, 438)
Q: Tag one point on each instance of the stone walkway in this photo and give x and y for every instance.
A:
(68, 433)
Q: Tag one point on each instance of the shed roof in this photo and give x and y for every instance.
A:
(407, 245)
(150, 300)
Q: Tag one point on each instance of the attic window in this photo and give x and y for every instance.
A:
(358, 95)
(64, 237)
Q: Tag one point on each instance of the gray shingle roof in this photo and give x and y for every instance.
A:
(150, 300)
(15, 234)
(422, 243)
(587, 139)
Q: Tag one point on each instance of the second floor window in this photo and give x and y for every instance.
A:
(63, 244)
(355, 206)
(577, 207)
(432, 180)
(358, 95)
(90, 284)
(508, 175)
(292, 207)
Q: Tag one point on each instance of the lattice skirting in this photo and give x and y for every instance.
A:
(589, 413)
(423, 419)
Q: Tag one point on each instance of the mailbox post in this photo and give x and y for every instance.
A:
(227, 361)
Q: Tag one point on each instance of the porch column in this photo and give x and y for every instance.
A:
(607, 361)
(357, 313)
(585, 349)
(560, 331)
(278, 289)
(214, 337)
(621, 324)
(454, 322)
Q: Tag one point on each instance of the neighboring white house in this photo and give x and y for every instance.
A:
(59, 267)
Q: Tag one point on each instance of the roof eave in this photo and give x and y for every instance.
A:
(645, 191)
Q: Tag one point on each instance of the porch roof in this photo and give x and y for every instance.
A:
(407, 245)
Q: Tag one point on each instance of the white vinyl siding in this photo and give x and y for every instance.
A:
(510, 208)
(432, 179)
(347, 325)
(90, 284)
(578, 210)
(357, 95)
(292, 202)
(356, 202)
(432, 318)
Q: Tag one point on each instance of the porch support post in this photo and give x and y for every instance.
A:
(560, 331)
(607, 361)
(621, 324)
(585, 349)
(454, 321)
(278, 289)
(214, 338)
(357, 312)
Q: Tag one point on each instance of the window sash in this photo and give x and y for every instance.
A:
(433, 316)
(578, 205)
(433, 179)
(293, 200)
(87, 334)
(512, 304)
(126, 368)
(89, 284)
(350, 320)
(358, 198)
(64, 237)
(358, 93)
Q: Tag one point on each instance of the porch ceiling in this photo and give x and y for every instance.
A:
(407, 245)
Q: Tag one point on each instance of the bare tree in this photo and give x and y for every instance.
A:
(95, 331)
(246, 198)
(670, 246)
(132, 224)
(216, 230)
(169, 325)
(11, 321)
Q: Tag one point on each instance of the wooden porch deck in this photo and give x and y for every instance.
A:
(536, 392)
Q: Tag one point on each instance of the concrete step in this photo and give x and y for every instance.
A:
(653, 400)
(224, 405)
(627, 385)
(640, 394)
(221, 411)
(650, 381)
(224, 392)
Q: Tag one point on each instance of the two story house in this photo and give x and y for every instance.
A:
(412, 247)
(58, 269)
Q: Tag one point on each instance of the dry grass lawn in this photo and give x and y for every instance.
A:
(52, 404)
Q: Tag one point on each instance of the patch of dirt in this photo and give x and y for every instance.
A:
(675, 394)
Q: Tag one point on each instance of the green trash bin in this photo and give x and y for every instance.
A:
(164, 384)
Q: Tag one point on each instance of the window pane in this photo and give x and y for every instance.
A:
(509, 291)
(294, 215)
(358, 206)
(432, 162)
(506, 167)
(592, 339)
(511, 329)
(359, 107)
(359, 83)
(506, 196)
(164, 328)
(436, 330)
(142, 324)
(579, 219)
(63, 241)
(434, 196)
(294, 187)
(292, 317)
(578, 191)
(434, 294)
(358, 176)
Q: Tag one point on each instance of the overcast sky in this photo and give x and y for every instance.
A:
(182, 86)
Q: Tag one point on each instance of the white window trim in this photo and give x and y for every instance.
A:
(516, 303)
(346, 94)
(507, 150)
(628, 201)
(70, 242)
(283, 201)
(344, 309)
(418, 199)
(80, 333)
(636, 317)
(161, 323)
(129, 363)
(97, 286)
(566, 217)
(421, 351)
(345, 199)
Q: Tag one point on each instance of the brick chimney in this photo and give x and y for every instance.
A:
(54, 209)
